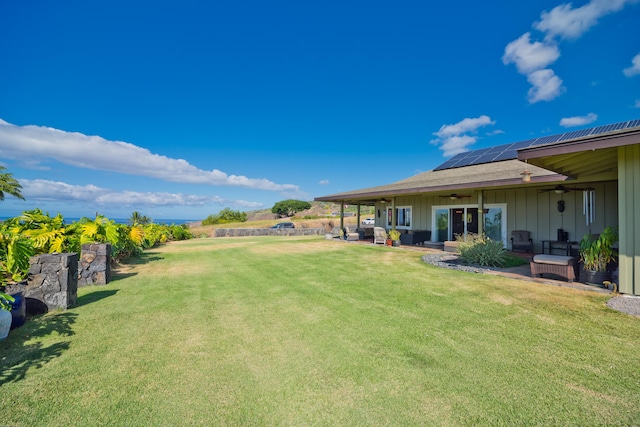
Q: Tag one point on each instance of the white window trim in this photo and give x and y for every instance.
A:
(502, 206)
(405, 227)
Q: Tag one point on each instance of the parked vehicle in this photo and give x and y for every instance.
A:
(368, 221)
(284, 225)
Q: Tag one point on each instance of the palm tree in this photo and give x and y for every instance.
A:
(9, 185)
(137, 218)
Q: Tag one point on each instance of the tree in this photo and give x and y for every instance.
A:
(290, 207)
(137, 218)
(9, 185)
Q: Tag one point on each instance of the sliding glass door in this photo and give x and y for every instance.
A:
(451, 221)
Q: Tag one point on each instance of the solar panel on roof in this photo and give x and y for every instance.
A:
(598, 130)
(574, 134)
(485, 158)
(506, 155)
(496, 150)
(510, 151)
(547, 139)
(522, 144)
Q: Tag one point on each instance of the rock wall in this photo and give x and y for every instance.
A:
(53, 281)
(246, 232)
(95, 264)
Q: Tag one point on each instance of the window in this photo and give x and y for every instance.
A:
(403, 217)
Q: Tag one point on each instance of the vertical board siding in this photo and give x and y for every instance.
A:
(629, 212)
(530, 209)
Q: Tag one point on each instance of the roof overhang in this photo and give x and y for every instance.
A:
(587, 159)
(469, 178)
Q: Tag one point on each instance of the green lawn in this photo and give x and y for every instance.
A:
(306, 331)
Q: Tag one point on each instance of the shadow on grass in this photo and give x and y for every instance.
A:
(17, 357)
(95, 296)
(119, 270)
(143, 258)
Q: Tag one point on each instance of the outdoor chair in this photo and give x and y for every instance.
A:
(379, 235)
(350, 233)
(521, 241)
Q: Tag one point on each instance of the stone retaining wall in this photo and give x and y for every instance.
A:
(53, 281)
(95, 264)
(246, 232)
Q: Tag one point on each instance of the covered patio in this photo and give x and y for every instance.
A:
(557, 188)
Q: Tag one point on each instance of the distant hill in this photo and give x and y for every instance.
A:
(318, 209)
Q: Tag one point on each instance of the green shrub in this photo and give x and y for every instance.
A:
(225, 216)
(480, 250)
(180, 232)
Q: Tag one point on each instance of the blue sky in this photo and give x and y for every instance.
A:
(179, 109)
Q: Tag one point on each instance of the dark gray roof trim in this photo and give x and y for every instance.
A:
(496, 174)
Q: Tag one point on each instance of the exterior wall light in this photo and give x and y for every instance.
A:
(526, 176)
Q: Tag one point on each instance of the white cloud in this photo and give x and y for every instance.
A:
(39, 143)
(568, 23)
(324, 182)
(45, 190)
(464, 126)
(545, 86)
(578, 120)
(530, 56)
(635, 67)
(452, 139)
(563, 22)
(530, 60)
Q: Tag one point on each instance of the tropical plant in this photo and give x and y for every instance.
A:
(137, 218)
(596, 252)
(180, 232)
(5, 301)
(478, 249)
(48, 234)
(394, 235)
(9, 185)
(15, 251)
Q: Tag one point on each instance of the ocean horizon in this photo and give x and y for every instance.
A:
(69, 220)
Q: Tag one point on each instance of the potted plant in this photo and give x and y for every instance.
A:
(394, 236)
(5, 314)
(596, 253)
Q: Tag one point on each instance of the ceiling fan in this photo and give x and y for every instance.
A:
(455, 196)
(561, 189)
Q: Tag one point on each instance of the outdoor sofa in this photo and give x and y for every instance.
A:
(413, 237)
(563, 266)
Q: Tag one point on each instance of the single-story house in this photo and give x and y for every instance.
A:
(576, 183)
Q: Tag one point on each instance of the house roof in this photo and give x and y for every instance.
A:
(510, 151)
(497, 174)
(587, 155)
(587, 158)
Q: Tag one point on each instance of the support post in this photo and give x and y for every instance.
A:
(481, 212)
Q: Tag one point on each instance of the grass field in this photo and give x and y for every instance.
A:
(305, 331)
